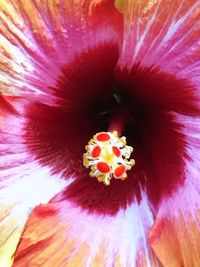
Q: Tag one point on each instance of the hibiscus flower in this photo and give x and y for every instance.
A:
(72, 69)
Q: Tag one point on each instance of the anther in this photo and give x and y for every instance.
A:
(108, 156)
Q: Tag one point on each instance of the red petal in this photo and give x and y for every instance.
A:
(149, 86)
(86, 82)
(57, 139)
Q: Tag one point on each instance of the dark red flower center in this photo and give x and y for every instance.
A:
(149, 98)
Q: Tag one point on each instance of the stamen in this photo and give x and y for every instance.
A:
(108, 156)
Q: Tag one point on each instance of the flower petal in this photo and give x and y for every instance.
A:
(24, 183)
(164, 35)
(39, 38)
(60, 234)
(175, 235)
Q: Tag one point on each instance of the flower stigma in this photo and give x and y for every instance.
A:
(108, 156)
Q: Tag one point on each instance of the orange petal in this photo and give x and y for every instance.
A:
(176, 240)
(59, 234)
(11, 228)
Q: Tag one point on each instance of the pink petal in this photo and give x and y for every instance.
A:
(24, 183)
(165, 35)
(40, 41)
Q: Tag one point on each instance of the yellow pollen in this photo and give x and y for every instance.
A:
(108, 156)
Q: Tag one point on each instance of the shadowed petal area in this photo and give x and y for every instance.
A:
(159, 151)
(144, 86)
(56, 139)
(59, 234)
(175, 235)
(86, 82)
(39, 38)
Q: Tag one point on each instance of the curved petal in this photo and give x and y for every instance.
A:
(60, 234)
(40, 39)
(24, 183)
(175, 235)
(163, 34)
